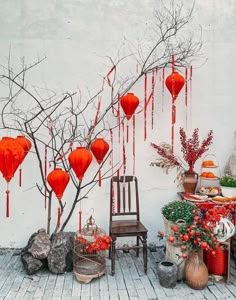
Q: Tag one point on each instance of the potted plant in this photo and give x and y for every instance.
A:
(192, 149)
(228, 186)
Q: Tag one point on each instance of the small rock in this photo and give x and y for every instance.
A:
(32, 265)
(40, 245)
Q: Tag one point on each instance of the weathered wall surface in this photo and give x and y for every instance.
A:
(75, 37)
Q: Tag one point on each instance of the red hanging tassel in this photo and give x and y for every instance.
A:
(124, 155)
(173, 113)
(7, 203)
(186, 96)
(163, 89)
(58, 217)
(133, 144)
(127, 133)
(190, 100)
(20, 177)
(45, 175)
(99, 178)
(145, 107)
(80, 221)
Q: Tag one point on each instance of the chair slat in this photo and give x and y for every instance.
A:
(129, 196)
(118, 197)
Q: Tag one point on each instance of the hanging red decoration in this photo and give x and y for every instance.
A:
(58, 180)
(80, 159)
(129, 103)
(26, 144)
(11, 156)
(99, 149)
(174, 83)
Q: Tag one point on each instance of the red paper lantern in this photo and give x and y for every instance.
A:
(11, 156)
(25, 143)
(99, 149)
(174, 83)
(80, 159)
(129, 103)
(58, 180)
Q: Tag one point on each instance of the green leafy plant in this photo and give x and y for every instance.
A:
(179, 210)
(228, 181)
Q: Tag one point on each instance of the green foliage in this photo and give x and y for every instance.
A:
(228, 181)
(177, 210)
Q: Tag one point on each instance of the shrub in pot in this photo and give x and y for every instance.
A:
(228, 186)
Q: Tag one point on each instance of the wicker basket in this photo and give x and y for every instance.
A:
(87, 264)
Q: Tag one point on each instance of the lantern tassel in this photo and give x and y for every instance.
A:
(100, 178)
(58, 217)
(20, 177)
(127, 133)
(45, 175)
(186, 96)
(133, 144)
(7, 203)
(145, 107)
(80, 221)
(163, 89)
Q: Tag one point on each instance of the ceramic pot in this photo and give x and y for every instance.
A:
(196, 272)
(189, 181)
(167, 273)
(217, 263)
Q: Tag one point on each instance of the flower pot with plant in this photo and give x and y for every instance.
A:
(228, 186)
(192, 150)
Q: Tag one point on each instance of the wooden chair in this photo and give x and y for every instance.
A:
(125, 217)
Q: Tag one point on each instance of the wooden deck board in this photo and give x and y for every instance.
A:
(128, 283)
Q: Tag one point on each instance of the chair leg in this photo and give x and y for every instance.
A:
(113, 255)
(145, 253)
(137, 244)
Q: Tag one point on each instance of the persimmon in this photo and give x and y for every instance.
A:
(210, 175)
(211, 163)
(205, 163)
(204, 174)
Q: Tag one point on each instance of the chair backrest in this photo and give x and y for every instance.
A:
(124, 197)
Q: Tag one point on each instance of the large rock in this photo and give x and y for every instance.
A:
(33, 264)
(60, 256)
(40, 245)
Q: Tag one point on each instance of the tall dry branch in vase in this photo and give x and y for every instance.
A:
(59, 125)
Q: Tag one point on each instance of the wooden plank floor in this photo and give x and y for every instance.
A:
(129, 283)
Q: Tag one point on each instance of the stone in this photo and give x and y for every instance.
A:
(60, 257)
(32, 265)
(40, 245)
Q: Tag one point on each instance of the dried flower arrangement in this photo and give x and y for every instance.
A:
(191, 149)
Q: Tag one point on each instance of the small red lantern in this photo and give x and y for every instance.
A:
(174, 83)
(11, 156)
(58, 180)
(80, 159)
(129, 103)
(26, 144)
(99, 149)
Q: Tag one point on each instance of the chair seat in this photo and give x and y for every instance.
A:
(127, 228)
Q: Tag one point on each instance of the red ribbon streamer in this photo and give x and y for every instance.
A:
(133, 144)
(127, 133)
(109, 73)
(163, 89)
(20, 177)
(99, 178)
(124, 154)
(173, 113)
(7, 203)
(58, 217)
(186, 96)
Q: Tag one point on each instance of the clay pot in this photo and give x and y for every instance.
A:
(189, 181)
(196, 272)
(167, 273)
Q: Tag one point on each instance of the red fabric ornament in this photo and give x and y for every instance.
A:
(80, 159)
(174, 83)
(58, 180)
(99, 149)
(129, 103)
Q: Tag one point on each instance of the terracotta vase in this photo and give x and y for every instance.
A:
(189, 181)
(196, 272)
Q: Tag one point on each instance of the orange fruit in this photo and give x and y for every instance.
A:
(204, 174)
(210, 163)
(205, 163)
(210, 175)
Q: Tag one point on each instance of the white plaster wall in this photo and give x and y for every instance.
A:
(75, 36)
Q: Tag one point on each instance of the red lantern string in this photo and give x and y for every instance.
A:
(173, 106)
(58, 217)
(190, 104)
(145, 106)
(127, 133)
(163, 89)
(133, 144)
(186, 96)
(7, 203)
(20, 177)
(124, 154)
(152, 111)
(45, 174)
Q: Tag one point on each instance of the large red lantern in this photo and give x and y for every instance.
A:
(99, 149)
(11, 156)
(80, 159)
(129, 103)
(26, 144)
(174, 83)
(58, 180)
